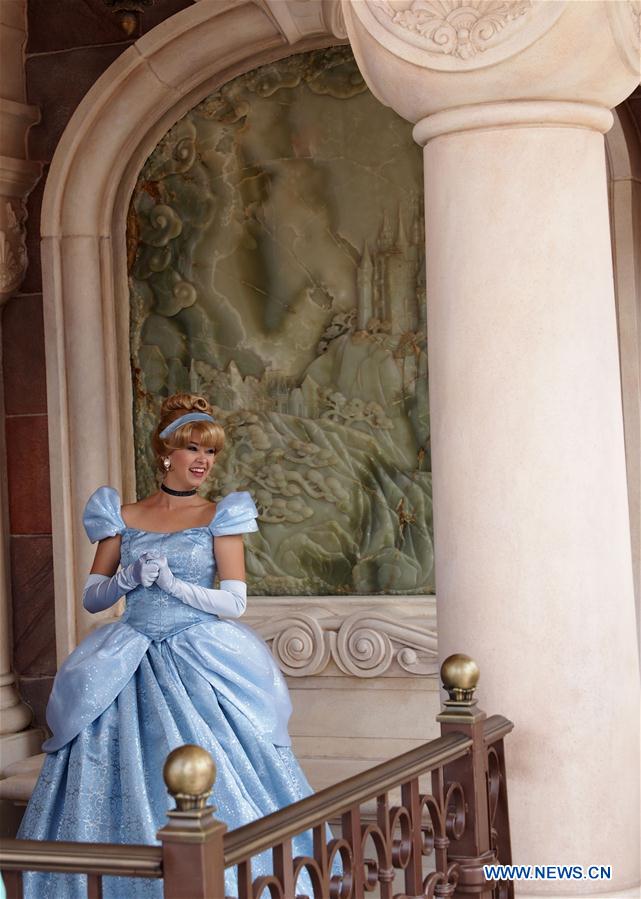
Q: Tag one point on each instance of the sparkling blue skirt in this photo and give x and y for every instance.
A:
(106, 784)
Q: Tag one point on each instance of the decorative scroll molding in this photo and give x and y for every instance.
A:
(13, 248)
(454, 34)
(448, 27)
(17, 178)
(381, 637)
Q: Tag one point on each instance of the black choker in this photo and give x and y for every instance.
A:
(178, 492)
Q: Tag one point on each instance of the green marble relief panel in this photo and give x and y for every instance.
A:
(277, 266)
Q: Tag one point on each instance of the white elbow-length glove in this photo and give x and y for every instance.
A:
(101, 592)
(228, 602)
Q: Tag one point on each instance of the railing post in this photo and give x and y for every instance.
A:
(192, 840)
(460, 713)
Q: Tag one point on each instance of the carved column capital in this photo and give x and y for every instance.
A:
(13, 250)
(422, 57)
(17, 179)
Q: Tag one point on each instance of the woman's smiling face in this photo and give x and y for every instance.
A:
(191, 464)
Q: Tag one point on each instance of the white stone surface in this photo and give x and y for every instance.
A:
(532, 539)
(534, 575)
(624, 164)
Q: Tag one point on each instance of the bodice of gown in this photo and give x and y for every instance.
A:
(189, 553)
(226, 653)
(190, 557)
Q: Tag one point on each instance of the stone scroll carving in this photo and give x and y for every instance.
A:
(458, 34)
(277, 265)
(368, 643)
(462, 30)
(13, 250)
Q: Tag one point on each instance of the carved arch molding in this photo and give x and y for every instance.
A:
(92, 176)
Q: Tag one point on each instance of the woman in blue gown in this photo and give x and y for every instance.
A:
(175, 669)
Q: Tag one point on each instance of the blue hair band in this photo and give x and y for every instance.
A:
(183, 420)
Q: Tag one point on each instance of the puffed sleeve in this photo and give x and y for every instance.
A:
(235, 514)
(102, 516)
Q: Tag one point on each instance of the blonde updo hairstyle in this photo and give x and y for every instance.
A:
(210, 434)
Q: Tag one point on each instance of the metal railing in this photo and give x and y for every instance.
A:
(435, 838)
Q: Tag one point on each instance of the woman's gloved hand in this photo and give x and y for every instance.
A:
(144, 570)
(101, 592)
(165, 579)
(228, 602)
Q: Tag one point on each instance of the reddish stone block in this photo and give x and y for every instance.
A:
(161, 10)
(86, 23)
(63, 26)
(23, 356)
(28, 474)
(34, 642)
(56, 83)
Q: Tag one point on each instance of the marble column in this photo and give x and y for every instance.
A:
(533, 565)
(17, 178)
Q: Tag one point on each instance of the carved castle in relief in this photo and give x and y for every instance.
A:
(391, 278)
(390, 309)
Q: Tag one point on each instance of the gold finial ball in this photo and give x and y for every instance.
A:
(189, 771)
(459, 672)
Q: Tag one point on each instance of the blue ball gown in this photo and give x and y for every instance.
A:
(165, 674)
